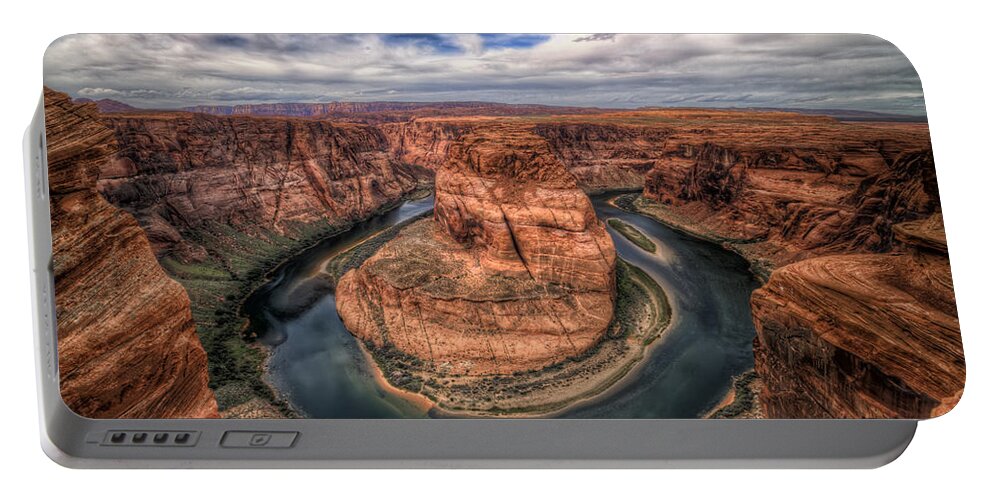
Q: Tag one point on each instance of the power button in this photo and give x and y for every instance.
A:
(261, 439)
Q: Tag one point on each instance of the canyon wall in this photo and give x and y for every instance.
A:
(601, 156)
(606, 157)
(127, 344)
(857, 319)
(802, 185)
(513, 273)
(225, 199)
(180, 173)
(424, 143)
(862, 336)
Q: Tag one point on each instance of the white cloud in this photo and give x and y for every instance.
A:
(842, 71)
(98, 92)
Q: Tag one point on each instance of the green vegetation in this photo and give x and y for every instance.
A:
(753, 250)
(397, 366)
(626, 201)
(236, 264)
(635, 291)
(744, 397)
(355, 256)
(633, 235)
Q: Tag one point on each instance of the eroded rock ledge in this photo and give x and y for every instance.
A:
(862, 336)
(514, 273)
(127, 344)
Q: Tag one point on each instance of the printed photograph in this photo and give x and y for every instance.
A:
(496, 226)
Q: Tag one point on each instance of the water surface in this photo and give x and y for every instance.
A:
(318, 365)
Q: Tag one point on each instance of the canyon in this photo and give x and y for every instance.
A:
(181, 172)
(839, 219)
(140, 358)
(224, 199)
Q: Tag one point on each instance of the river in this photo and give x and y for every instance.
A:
(321, 370)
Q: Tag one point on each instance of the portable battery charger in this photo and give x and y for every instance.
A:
(496, 250)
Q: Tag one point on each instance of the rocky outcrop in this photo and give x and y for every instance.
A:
(179, 173)
(514, 272)
(715, 176)
(127, 344)
(907, 190)
(802, 185)
(862, 336)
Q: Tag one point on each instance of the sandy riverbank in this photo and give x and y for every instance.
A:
(643, 318)
(762, 257)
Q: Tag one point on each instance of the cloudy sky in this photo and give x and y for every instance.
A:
(626, 71)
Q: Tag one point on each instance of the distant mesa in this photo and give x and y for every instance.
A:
(108, 105)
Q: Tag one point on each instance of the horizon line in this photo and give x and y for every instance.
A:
(793, 108)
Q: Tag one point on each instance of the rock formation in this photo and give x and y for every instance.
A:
(127, 344)
(600, 156)
(862, 336)
(802, 185)
(604, 157)
(514, 273)
(178, 172)
(424, 143)
(905, 191)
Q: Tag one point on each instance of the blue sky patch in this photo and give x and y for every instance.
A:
(504, 41)
(441, 44)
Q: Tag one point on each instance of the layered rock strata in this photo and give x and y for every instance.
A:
(862, 336)
(514, 273)
(803, 185)
(177, 172)
(606, 157)
(127, 345)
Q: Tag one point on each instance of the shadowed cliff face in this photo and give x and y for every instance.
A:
(800, 186)
(603, 157)
(424, 143)
(126, 341)
(514, 273)
(862, 336)
(179, 171)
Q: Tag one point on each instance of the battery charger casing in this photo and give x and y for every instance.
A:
(77, 441)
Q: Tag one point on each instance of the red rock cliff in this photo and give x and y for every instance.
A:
(801, 184)
(126, 340)
(604, 156)
(514, 273)
(180, 171)
(862, 336)
(424, 143)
